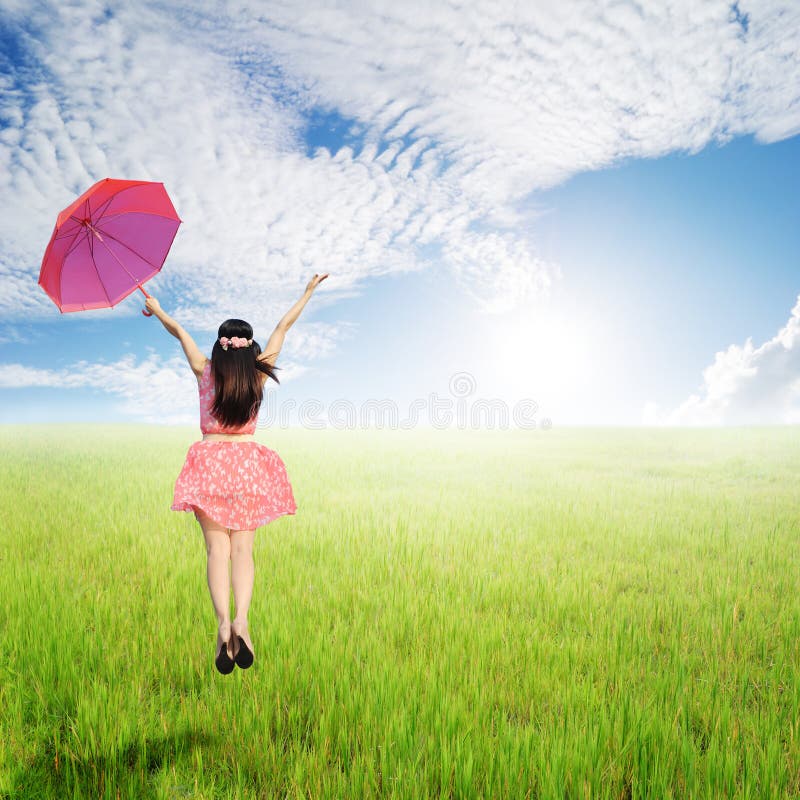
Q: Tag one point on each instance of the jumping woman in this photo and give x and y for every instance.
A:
(232, 483)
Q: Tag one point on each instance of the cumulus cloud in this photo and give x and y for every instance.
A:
(746, 385)
(459, 110)
(151, 390)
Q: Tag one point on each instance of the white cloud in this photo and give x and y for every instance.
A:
(498, 269)
(151, 390)
(312, 340)
(137, 95)
(146, 386)
(465, 109)
(519, 96)
(746, 385)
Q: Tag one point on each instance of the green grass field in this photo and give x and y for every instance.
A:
(565, 613)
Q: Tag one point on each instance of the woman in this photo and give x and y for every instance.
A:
(232, 483)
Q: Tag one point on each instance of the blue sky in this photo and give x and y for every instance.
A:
(622, 250)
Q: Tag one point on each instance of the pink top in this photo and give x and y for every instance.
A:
(209, 423)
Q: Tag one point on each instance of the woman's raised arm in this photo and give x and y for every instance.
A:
(275, 342)
(193, 355)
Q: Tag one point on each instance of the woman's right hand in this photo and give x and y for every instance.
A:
(152, 304)
(316, 281)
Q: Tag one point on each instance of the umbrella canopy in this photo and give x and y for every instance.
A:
(112, 239)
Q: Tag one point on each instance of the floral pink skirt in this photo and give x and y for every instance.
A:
(240, 485)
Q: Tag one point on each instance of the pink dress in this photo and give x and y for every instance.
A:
(240, 485)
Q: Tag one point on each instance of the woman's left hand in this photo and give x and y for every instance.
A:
(153, 306)
(315, 281)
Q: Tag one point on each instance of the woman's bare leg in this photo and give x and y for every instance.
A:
(218, 548)
(242, 574)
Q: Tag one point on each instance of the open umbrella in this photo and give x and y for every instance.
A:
(105, 245)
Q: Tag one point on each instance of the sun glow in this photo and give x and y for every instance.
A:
(546, 355)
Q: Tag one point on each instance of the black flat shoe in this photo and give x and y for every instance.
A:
(224, 663)
(244, 655)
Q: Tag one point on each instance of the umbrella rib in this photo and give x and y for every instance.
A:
(116, 258)
(119, 241)
(71, 246)
(115, 214)
(79, 220)
(147, 213)
(104, 206)
(94, 263)
(125, 189)
(114, 196)
(69, 233)
(74, 243)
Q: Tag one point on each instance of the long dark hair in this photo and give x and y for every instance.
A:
(238, 385)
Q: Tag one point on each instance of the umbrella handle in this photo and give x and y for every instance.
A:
(144, 311)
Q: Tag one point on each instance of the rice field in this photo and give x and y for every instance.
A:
(572, 613)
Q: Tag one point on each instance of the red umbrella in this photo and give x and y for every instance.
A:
(111, 240)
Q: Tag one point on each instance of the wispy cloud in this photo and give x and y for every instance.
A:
(152, 390)
(498, 269)
(313, 340)
(746, 385)
(460, 111)
(520, 96)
